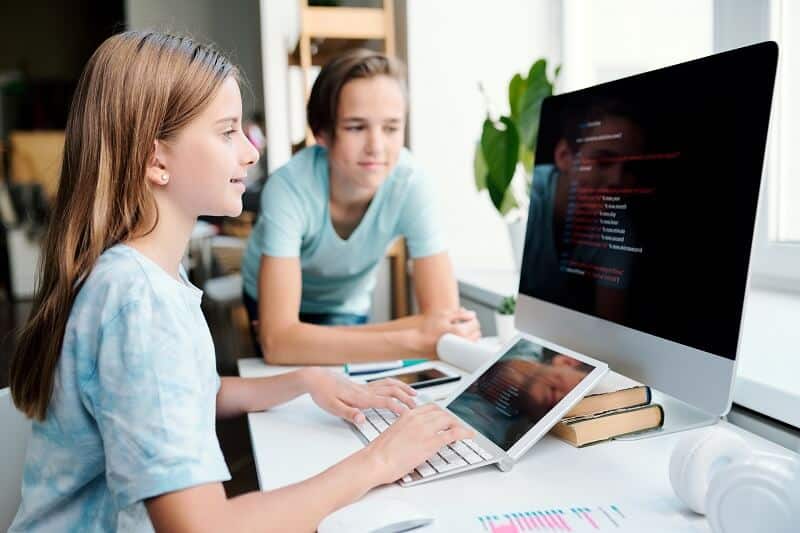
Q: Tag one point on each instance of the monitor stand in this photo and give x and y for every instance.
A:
(678, 416)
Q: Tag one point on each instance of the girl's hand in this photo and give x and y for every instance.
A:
(458, 322)
(413, 438)
(342, 397)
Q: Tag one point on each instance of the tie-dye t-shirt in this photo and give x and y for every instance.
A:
(133, 408)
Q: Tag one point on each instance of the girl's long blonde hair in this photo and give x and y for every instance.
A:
(138, 87)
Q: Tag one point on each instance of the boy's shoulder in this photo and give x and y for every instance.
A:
(407, 168)
(302, 174)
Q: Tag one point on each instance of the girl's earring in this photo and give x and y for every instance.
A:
(164, 178)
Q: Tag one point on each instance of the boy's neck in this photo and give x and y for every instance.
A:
(348, 197)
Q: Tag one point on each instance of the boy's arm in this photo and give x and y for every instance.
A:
(434, 283)
(286, 340)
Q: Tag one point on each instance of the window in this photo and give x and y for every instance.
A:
(785, 219)
(776, 250)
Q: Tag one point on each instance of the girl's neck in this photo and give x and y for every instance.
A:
(167, 243)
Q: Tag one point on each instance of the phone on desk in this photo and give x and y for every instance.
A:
(419, 379)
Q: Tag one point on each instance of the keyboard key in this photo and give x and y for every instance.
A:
(368, 431)
(466, 452)
(384, 412)
(407, 478)
(472, 457)
(437, 462)
(448, 454)
(381, 426)
(452, 466)
(477, 448)
(425, 470)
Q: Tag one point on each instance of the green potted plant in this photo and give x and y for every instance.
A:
(506, 150)
(504, 318)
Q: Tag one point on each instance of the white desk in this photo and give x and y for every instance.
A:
(297, 440)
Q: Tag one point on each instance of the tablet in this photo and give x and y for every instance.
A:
(514, 399)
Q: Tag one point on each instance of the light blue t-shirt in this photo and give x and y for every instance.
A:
(134, 403)
(339, 274)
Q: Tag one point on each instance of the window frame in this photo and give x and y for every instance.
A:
(774, 264)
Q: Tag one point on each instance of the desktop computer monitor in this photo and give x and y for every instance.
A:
(641, 218)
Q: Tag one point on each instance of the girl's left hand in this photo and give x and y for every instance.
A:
(342, 397)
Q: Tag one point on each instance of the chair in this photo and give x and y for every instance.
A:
(13, 441)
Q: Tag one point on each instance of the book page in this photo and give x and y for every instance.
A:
(613, 382)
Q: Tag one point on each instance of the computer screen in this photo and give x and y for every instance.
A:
(641, 221)
(517, 391)
(644, 195)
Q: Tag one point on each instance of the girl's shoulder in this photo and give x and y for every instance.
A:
(119, 278)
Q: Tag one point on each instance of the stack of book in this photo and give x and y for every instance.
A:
(615, 407)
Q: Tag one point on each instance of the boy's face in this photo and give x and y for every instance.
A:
(208, 159)
(370, 125)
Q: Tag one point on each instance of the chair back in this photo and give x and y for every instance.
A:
(15, 431)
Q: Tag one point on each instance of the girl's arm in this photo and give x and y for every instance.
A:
(333, 392)
(286, 340)
(414, 437)
(237, 396)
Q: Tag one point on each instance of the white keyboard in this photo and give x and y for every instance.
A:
(460, 453)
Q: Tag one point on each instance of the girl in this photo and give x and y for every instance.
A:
(116, 364)
(327, 218)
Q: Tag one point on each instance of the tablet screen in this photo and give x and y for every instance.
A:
(517, 391)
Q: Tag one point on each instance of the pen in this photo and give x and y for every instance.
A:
(356, 369)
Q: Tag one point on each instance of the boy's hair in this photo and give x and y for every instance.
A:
(358, 63)
(138, 87)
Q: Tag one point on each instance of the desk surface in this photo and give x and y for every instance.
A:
(297, 440)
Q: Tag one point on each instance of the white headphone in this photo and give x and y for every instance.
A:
(716, 473)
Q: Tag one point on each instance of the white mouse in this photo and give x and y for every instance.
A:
(375, 516)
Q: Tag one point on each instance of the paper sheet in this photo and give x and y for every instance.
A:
(464, 354)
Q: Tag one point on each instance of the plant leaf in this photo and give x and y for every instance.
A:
(538, 71)
(509, 202)
(480, 167)
(516, 90)
(526, 158)
(501, 151)
(539, 88)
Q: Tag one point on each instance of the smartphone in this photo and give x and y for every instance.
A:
(419, 379)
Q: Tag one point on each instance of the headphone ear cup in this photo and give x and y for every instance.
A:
(696, 459)
(759, 493)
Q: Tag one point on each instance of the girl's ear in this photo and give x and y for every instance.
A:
(156, 172)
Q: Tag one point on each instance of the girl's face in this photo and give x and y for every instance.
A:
(370, 122)
(208, 159)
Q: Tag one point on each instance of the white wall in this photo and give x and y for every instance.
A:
(453, 45)
(611, 39)
(233, 26)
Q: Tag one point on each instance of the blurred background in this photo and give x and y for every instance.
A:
(461, 57)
